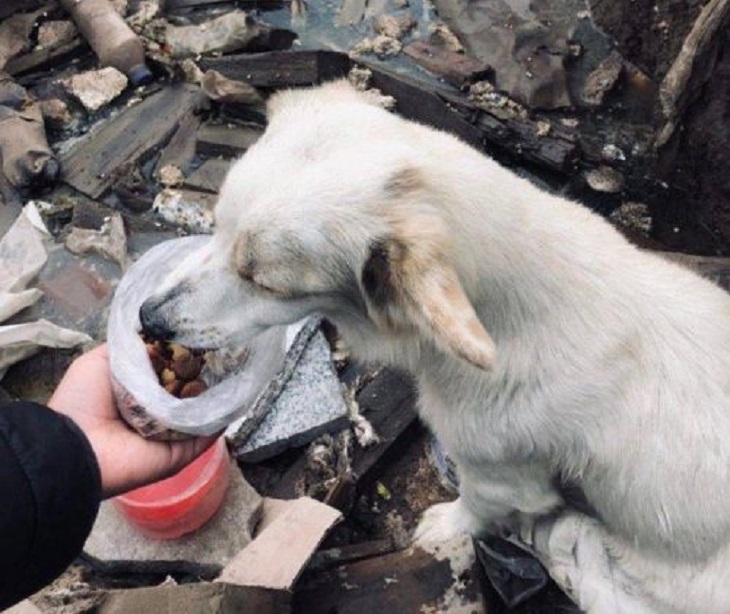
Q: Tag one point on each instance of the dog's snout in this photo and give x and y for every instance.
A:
(152, 323)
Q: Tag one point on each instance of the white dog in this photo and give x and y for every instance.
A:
(547, 349)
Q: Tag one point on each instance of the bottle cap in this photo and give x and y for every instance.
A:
(140, 74)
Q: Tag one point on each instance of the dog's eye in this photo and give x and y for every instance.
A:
(265, 288)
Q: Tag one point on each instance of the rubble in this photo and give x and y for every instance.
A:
(96, 88)
(602, 80)
(115, 546)
(605, 179)
(192, 211)
(55, 113)
(219, 88)
(57, 32)
(504, 82)
(110, 241)
(392, 26)
(633, 215)
(441, 36)
(230, 32)
(197, 598)
(380, 45)
(310, 401)
(170, 176)
(14, 35)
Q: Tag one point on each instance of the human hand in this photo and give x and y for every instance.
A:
(126, 460)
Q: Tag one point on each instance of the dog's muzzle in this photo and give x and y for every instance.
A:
(153, 324)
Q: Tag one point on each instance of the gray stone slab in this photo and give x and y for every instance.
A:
(309, 403)
(116, 546)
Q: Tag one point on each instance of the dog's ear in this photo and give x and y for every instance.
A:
(408, 282)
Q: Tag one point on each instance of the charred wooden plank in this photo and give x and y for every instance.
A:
(452, 111)
(90, 166)
(46, 58)
(223, 140)
(420, 102)
(180, 149)
(327, 559)
(456, 68)
(407, 581)
(275, 69)
(8, 7)
(209, 176)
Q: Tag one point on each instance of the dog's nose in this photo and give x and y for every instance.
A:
(152, 324)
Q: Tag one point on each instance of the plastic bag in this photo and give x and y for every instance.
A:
(146, 405)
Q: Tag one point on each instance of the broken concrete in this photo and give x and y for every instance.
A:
(96, 88)
(192, 211)
(55, 113)
(393, 26)
(110, 241)
(200, 598)
(305, 402)
(219, 88)
(115, 545)
(605, 179)
(56, 32)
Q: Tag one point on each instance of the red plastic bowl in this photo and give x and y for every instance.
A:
(182, 503)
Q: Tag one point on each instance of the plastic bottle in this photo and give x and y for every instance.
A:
(110, 37)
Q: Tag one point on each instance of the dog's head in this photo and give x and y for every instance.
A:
(329, 212)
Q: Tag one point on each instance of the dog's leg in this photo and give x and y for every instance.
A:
(492, 498)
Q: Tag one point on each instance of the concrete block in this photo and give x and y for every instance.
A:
(116, 546)
(309, 404)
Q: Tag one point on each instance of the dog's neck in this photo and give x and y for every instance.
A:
(521, 263)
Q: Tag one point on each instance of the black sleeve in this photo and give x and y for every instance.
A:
(50, 490)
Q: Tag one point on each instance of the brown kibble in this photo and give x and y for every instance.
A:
(179, 352)
(157, 361)
(174, 387)
(186, 366)
(193, 389)
(177, 367)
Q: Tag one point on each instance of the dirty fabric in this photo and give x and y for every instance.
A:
(25, 155)
(22, 255)
(585, 561)
(229, 32)
(527, 43)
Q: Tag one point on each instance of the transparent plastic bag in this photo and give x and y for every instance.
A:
(142, 401)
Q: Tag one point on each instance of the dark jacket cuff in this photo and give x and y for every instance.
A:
(51, 490)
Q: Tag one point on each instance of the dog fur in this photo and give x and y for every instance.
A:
(547, 349)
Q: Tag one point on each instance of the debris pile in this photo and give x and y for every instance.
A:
(124, 151)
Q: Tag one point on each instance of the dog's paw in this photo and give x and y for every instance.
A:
(443, 522)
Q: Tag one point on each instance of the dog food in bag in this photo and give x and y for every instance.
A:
(234, 376)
